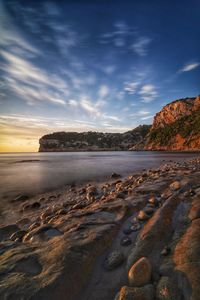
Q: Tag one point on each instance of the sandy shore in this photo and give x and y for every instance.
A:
(81, 242)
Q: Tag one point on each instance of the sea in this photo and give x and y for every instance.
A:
(35, 173)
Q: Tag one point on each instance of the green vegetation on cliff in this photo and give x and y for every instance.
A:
(69, 141)
(186, 126)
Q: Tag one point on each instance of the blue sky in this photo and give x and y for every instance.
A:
(92, 65)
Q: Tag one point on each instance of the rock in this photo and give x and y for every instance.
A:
(195, 210)
(115, 175)
(114, 260)
(135, 227)
(121, 195)
(140, 273)
(167, 289)
(18, 236)
(7, 231)
(62, 211)
(149, 210)
(24, 222)
(174, 186)
(44, 232)
(142, 216)
(28, 265)
(46, 213)
(35, 205)
(21, 198)
(125, 241)
(153, 200)
(127, 231)
(33, 226)
(186, 257)
(136, 293)
(165, 251)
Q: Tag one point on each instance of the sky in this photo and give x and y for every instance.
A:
(92, 65)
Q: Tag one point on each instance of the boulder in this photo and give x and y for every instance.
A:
(140, 273)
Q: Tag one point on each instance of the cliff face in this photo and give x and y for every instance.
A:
(92, 141)
(176, 127)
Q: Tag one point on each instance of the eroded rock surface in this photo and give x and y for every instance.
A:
(136, 237)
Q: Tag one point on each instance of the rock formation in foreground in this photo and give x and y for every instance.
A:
(92, 141)
(175, 127)
(136, 238)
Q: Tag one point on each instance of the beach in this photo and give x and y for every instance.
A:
(79, 242)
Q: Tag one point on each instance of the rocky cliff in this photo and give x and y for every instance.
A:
(92, 141)
(175, 127)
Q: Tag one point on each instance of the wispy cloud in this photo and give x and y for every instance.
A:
(189, 67)
(103, 91)
(147, 118)
(148, 93)
(32, 83)
(131, 87)
(125, 36)
(140, 46)
(12, 38)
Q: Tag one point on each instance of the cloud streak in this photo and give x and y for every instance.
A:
(140, 46)
(148, 93)
(189, 67)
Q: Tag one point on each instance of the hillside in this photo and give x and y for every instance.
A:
(92, 141)
(175, 127)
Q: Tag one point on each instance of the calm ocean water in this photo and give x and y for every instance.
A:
(34, 173)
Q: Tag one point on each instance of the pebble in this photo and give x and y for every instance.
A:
(127, 231)
(149, 210)
(166, 250)
(174, 186)
(125, 241)
(142, 216)
(135, 227)
(114, 260)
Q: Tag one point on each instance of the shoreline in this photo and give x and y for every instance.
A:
(80, 227)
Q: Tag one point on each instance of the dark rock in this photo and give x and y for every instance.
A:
(35, 205)
(127, 231)
(142, 216)
(121, 195)
(137, 293)
(165, 251)
(44, 232)
(115, 175)
(18, 235)
(149, 210)
(167, 289)
(125, 241)
(135, 227)
(29, 266)
(114, 260)
(21, 198)
(7, 231)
